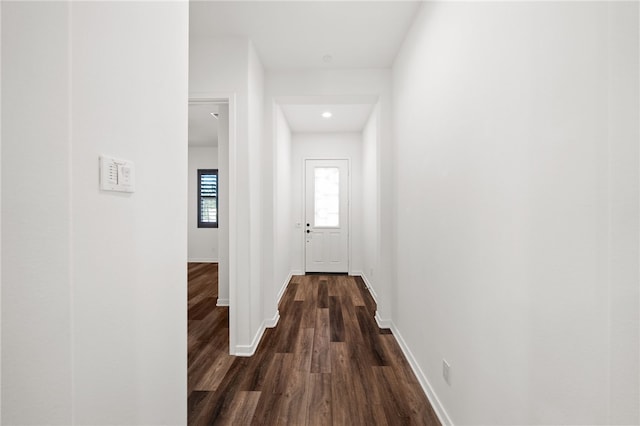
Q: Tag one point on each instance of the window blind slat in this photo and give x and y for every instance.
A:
(208, 200)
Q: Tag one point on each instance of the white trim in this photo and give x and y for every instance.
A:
(327, 99)
(207, 100)
(371, 290)
(297, 272)
(208, 97)
(250, 350)
(369, 286)
(222, 302)
(272, 322)
(382, 323)
(203, 260)
(283, 288)
(442, 414)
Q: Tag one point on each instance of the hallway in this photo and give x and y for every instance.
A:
(325, 363)
(493, 212)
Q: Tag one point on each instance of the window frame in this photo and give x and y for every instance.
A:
(202, 224)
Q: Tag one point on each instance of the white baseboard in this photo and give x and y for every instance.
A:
(250, 350)
(297, 272)
(382, 323)
(222, 302)
(203, 260)
(283, 288)
(422, 378)
(272, 322)
(370, 287)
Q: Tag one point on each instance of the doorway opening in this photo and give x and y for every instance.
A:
(336, 230)
(210, 322)
(208, 236)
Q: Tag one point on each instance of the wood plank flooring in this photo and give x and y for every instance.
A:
(326, 362)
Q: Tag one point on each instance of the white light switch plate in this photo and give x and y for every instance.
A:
(116, 174)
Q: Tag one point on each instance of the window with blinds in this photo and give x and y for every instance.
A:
(207, 198)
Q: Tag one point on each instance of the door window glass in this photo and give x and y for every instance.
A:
(327, 196)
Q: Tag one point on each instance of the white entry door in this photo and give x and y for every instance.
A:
(327, 216)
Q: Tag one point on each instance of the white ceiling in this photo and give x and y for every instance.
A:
(298, 34)
(203, 128)
(302, 118)
(345, 118)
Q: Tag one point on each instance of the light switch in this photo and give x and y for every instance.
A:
(116, 175)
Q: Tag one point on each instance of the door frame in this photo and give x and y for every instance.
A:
(304, 208)
(230, 99)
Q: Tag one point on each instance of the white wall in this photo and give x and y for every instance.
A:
(624, 290)
(258, 223)
(230, 66)
(327, 146)
(0, 215)
(202, 242)
(36, 255)
(94, 298)
(339, 85)
(129, 265)
(370, 207)
(516, 128)
(283, 220)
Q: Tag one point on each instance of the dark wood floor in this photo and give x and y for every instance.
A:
(326, 362)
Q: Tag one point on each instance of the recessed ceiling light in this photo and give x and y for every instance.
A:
(326, 114)
(327, 58)
(214, 115)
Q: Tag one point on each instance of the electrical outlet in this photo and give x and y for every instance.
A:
(446, 371)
